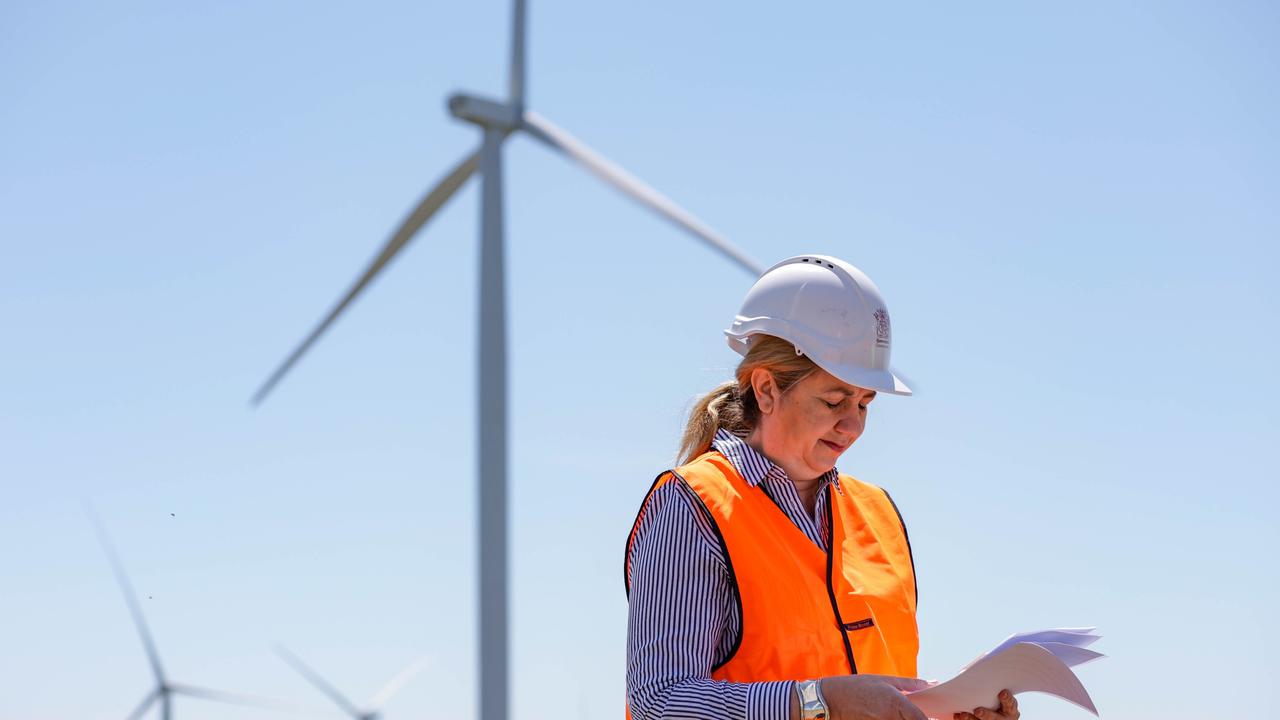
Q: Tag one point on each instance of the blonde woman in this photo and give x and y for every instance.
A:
(763, 583)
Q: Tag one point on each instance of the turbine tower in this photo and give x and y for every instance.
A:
(497, 120)
(165, 688)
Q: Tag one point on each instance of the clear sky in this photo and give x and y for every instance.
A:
(1071, 210)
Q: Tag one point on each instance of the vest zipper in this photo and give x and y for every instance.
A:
(831, 593)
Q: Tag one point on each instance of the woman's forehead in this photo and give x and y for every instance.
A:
(825, 382)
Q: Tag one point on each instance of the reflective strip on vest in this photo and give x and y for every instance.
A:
(806, 613)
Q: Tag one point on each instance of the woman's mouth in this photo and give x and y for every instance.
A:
(834, 447)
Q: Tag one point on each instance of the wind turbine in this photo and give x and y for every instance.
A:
(165, 688)
(497, 120)
(373, 709)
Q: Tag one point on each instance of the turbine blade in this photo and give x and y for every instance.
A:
(430, 203)
(231, 698)
(394, 684)
(130, 598)
(321, 684)
(517, 55)
(606, 170)
(145, 705)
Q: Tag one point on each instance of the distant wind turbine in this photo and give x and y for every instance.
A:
(497, 120)
(165, 688)
(373, 709)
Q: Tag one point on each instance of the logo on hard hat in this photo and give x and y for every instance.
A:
(882, 327)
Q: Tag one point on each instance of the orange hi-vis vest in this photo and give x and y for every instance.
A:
(808, 613)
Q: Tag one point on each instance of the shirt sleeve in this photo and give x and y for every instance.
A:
(683, 618)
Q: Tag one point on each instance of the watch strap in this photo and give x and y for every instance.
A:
(812, 705)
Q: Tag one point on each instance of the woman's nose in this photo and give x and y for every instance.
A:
(851, 424)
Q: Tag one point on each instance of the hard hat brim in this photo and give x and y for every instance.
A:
(884, 381)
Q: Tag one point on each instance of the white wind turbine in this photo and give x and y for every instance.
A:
(372, 709)
(165, 688)
(497, 120)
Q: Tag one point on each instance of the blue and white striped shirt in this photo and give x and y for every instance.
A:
(682, 619)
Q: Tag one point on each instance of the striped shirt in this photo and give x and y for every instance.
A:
(682, 617)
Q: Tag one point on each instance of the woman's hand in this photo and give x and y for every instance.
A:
(1008, 710)
(871, 697)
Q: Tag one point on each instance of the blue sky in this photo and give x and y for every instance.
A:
(1069, 207)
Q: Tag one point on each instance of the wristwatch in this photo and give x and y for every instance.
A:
(812, 705)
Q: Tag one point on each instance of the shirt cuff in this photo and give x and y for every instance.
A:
(769, 700)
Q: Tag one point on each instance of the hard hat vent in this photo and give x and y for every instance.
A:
(818, 261)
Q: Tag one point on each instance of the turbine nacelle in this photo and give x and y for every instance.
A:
(485, 112)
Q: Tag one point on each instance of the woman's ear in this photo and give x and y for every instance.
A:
(766, 390)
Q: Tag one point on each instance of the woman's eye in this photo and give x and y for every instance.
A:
(832, 406)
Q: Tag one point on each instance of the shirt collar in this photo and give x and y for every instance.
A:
(755, 467)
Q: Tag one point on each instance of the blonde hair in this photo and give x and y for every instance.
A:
(732, 405)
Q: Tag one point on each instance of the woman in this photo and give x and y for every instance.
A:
(762, 583)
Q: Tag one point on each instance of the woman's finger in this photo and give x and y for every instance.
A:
(1008, 710)
(902, 683)
(1009, 705)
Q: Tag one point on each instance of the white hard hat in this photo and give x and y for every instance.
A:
(830, 311)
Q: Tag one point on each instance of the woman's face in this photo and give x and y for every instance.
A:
(808, 427)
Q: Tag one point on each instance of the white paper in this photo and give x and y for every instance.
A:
(1078, 637)
(1070, 655)
(1025, 662)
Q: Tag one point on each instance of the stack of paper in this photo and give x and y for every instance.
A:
(1026, 662)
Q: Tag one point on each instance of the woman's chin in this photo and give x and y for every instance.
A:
(823, 464)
